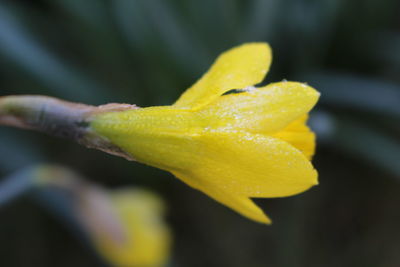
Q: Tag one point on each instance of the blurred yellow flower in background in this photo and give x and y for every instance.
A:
(141, 239)
(224, 136)
(125, 226)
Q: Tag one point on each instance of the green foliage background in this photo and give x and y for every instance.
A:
(148, 52)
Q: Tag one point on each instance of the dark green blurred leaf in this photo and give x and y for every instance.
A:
(358, 139)
(358, 93)
(17, 150)
(64, 81)
(368, 144)
(260, 20)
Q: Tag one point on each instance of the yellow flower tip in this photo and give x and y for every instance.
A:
(253, 143)
(266, 221)
(263, 219)
(260, 216)
(311, 181)
(316, 182)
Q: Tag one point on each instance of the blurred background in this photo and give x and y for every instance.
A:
(147, 53)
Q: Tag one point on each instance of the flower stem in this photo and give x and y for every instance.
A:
(59, 118)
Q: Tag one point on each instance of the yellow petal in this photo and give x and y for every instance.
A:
(299, 135)
(241, 204)
(249, 164)
(237, 68)
(231, 167)
(261, 110)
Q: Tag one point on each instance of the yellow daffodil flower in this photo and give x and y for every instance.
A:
(250, 142)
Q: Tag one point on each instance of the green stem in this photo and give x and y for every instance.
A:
(59, 118)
